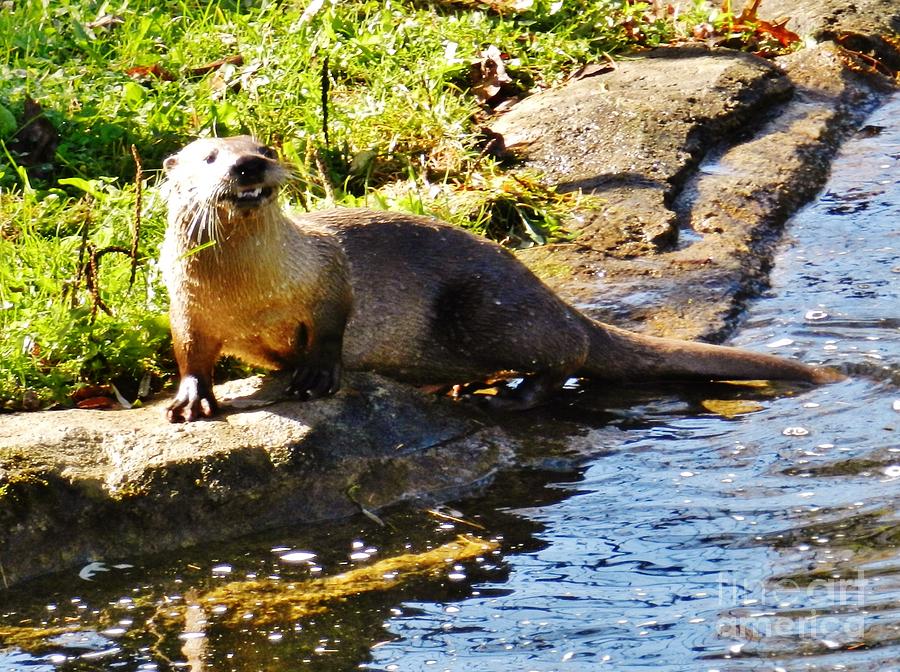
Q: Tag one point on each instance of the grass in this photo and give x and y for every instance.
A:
(403, 131)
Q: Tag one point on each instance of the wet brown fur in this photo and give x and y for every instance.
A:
(422, 301)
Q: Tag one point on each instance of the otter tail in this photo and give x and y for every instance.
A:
(616, 354)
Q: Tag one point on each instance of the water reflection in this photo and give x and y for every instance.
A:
(254, 611)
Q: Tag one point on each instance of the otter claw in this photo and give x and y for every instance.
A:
(311, 383)
(194, 400)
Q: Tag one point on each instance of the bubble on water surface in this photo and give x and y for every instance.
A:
(795, 431)
(93, 655)
(297, 556)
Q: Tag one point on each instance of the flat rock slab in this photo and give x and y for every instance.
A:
(633, 134)
(692, 193)
(694, 158)
(79, 485)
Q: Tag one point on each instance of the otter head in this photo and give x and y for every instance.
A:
(214, 181)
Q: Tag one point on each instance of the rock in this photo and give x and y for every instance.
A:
(632, 135)
(698, 187)
(81, 485)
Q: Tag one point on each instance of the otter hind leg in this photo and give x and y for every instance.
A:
(534, 390)
(525, 330)
(311, 382)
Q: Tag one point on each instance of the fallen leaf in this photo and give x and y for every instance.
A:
(95, 403)
(488, 75)
(206, 68)
(785, 37)
(704, 31)
(89, 391)
(150, 71)
(749, 13)
(731, 408)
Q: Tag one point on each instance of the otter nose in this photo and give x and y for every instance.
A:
(248, 170)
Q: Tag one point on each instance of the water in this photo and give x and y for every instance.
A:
(715, 528)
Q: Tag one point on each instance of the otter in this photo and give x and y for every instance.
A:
(406, 296)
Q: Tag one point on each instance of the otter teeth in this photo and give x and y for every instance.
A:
(250, 193)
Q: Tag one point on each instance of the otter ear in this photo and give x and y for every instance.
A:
(170, 162)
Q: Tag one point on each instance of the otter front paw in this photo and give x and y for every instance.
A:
(194, 400)
(312, 382)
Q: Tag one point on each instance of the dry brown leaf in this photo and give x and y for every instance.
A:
(731, 408)
(488, 75)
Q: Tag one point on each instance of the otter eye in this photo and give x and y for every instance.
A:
(268, 152)
(211, 157)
